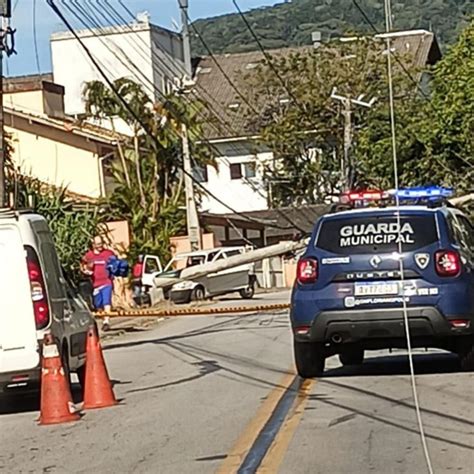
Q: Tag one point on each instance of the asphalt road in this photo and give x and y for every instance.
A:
(218, 394)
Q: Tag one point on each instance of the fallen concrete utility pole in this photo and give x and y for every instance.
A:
(459, 201)
(252, 256)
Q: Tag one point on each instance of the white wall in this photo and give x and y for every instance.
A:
(237, 193)
(120, 51)
(55, 162)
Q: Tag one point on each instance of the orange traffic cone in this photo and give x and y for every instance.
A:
(98, 392)
(56, 400)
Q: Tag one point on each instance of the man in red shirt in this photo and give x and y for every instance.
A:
(94, 264)
(137, 273)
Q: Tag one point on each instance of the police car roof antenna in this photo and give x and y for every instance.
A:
(388, 27)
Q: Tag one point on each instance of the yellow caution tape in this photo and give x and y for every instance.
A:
(156, 313)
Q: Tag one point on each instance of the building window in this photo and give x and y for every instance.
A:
(200, 173)
(250, 170)
(236, 171)
(242, 170)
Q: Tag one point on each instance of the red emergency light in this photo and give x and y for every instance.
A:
(367, 195)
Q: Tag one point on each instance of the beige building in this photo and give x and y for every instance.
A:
(50, 146)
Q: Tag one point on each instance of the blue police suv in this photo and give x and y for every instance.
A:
(365, 268)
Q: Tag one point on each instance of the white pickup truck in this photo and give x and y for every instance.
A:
(240, 279)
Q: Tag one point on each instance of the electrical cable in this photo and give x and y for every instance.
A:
(110, 84)
(35, 39)
(265, 54)
(99, 26)
(400, 239)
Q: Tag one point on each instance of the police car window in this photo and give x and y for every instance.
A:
(380, 234)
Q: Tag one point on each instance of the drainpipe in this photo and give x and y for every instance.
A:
(101, 175)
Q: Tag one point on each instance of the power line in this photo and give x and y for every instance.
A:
(265, 54)
(400, 239)
(35, 37)
(254, 187)
(110, 84)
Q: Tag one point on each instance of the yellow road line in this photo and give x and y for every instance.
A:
(276, 453)
(246, 440)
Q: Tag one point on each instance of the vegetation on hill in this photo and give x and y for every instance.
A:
(291, 23)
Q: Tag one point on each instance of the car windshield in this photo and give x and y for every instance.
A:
(360, 234)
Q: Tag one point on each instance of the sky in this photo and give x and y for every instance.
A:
(163, 12)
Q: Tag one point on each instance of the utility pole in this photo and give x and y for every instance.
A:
(348, 165)
(5, 12)
(192, 217)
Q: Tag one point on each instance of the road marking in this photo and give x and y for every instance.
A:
(275, 455)
(246, 441)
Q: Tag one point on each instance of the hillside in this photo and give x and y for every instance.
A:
(291, 23)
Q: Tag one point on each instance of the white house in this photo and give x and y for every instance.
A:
(146, 53)
(50, 146)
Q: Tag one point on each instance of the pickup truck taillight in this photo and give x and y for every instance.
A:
(307, 271)
(447, 263)
(39, 296)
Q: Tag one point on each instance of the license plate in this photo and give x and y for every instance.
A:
(371, 289)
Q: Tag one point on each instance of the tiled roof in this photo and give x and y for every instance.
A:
(420, 45)
(92, 132)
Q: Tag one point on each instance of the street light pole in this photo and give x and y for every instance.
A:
(192, 217)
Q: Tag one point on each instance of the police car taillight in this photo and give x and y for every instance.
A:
(307, 271)
(38, 290)
(447, 263)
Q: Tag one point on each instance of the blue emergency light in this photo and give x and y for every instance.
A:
(423, 192)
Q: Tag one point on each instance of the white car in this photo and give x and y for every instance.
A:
(240, 279)
(35, 300)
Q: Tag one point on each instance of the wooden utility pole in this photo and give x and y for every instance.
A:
(192, 218)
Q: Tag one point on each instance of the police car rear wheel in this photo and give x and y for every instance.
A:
(309, 359)
(467, 359)
(352, 356)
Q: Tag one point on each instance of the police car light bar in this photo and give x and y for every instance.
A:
(363, 196)
(429, 192)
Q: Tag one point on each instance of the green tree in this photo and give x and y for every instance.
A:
(304, 127)
(149, 191)
(448, 128)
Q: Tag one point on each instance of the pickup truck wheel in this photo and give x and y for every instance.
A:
(198, 294)
(352, 356)
(309, 359)
(247, 293)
